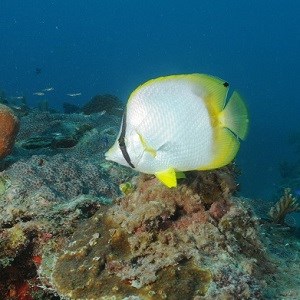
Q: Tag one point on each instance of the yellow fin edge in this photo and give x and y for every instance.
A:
(235, 116)
(230, 126)
(226, 146)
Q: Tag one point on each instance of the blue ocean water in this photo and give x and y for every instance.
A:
(92, 47)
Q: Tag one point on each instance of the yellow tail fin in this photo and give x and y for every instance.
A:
(232, 124)
(235, 116)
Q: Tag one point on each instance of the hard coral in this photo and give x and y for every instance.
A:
(160, 243)
(9, 126)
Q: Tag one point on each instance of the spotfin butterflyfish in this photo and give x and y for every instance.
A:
(180, 123)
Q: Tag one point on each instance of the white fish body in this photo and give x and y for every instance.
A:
(180, 123)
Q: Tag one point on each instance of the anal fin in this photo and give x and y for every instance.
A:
(167, 177)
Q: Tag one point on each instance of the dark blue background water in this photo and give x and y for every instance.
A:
(92, 47)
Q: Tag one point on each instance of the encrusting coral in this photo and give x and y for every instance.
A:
(193, 242)
(286, 204)
(9, 126)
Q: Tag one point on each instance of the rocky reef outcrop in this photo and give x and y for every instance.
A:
(194, 242)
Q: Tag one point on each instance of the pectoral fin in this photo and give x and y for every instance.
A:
(146, 146)
(167, 177)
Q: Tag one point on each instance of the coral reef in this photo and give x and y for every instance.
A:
(70, 108)
(38, 123)
(45, 191)
(284, 250)
(108, 103)
(282, 243)
(98, 104)
(74, 226)
(194, 242)
(42, 179)
(9, 126)
(285, 205)
(57, 179)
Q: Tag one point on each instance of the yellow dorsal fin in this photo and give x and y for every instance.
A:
(167, 177)
(210, 88)
(146, 146)
(235, 116)
(215, 91)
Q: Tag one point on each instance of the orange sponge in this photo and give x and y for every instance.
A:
(9, 127)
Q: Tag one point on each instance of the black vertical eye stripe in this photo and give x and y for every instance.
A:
(121, 141)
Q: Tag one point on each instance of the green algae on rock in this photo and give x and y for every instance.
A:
(160, 243)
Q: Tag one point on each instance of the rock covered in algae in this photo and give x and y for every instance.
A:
(193, 242)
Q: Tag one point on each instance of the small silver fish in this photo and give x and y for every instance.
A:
(49, 89)
(74, 94)
(16, 107)
(17, 97)
(39, 94)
